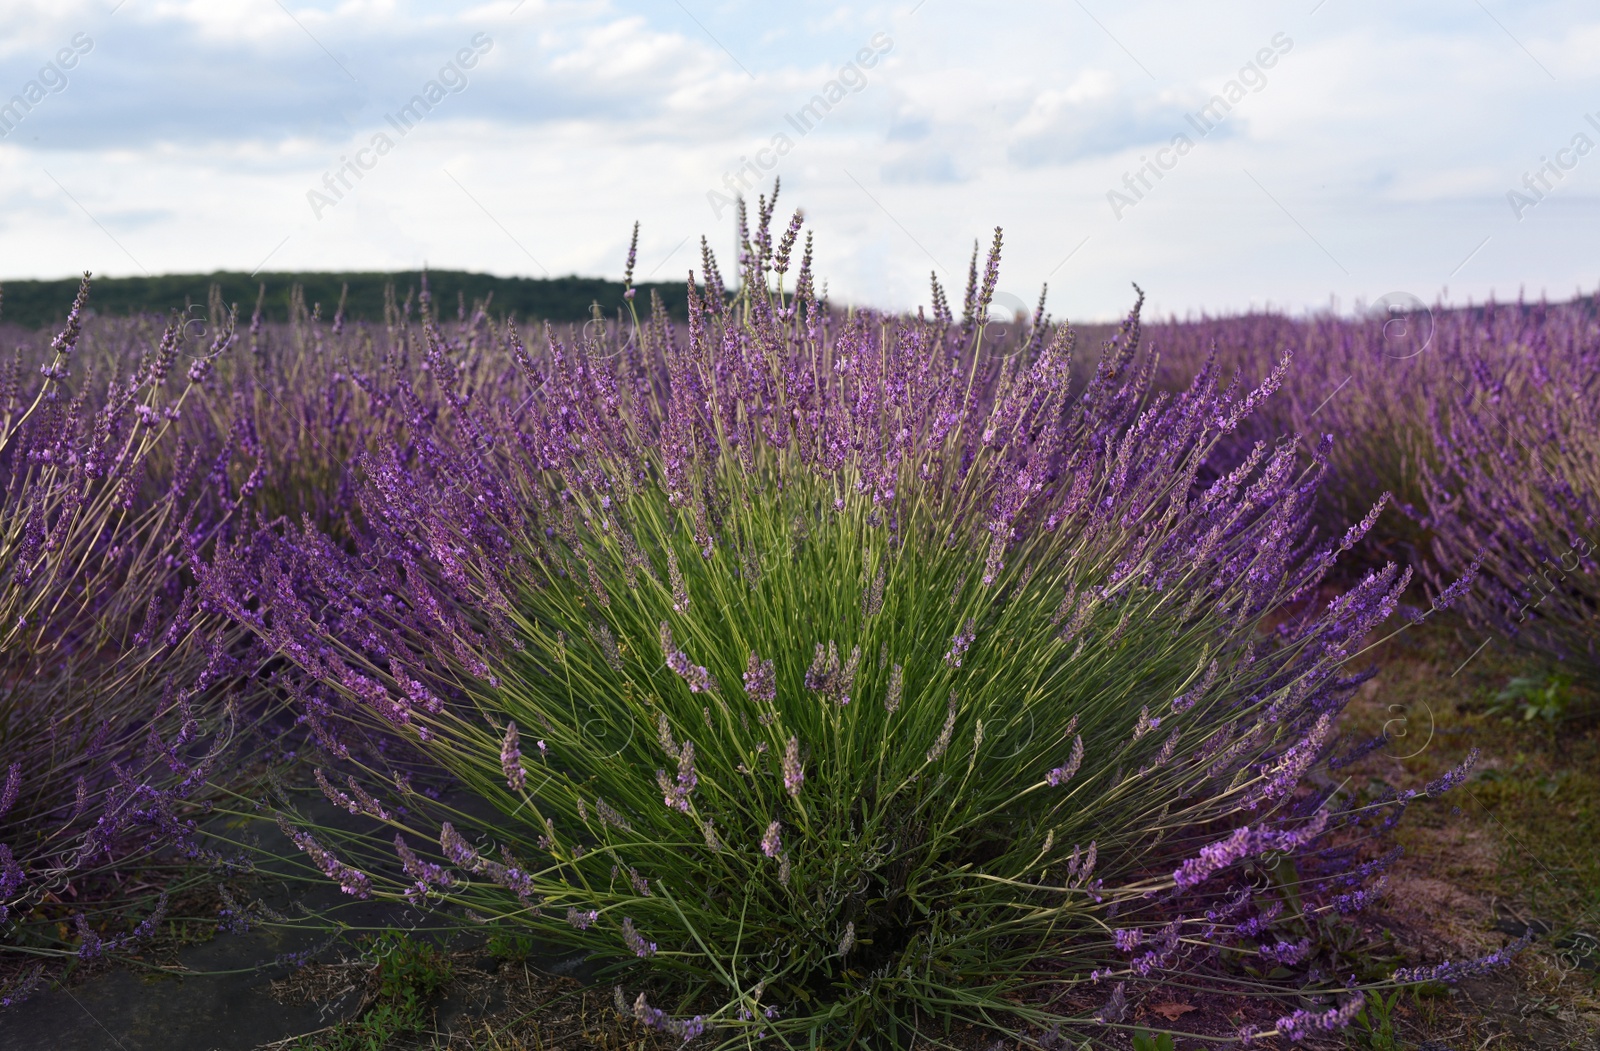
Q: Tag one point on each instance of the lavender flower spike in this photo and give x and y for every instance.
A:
(958, 645)
(635, 941)
(8, 796)
(1062, 774)
(1452, 778)
(758, 679)
(794, 774)
(511, 759)
(676, 794)
(772, 842)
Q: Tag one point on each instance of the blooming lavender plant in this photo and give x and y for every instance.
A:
(1514, 503)
(123, 699)
(653, 535)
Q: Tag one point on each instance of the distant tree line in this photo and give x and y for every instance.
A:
(36, 304)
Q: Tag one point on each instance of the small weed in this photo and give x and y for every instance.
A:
(1144, 1040)
(405, 975)
(1374, 1026)
(1536, 698)
(508, 946)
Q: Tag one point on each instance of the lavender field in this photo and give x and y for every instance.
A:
(794, 674)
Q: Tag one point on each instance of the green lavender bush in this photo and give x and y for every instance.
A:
(833, 678)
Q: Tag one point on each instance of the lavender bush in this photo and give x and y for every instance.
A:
(1514, 500)
(116, 689)
(1384, 384)
(836, 676)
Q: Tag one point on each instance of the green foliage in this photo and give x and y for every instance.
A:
(1536, 698)
(1374, 1026)
(1144, 1040)
(509, 945)
(405, 975)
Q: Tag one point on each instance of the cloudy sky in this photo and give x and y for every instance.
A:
(1358, 148)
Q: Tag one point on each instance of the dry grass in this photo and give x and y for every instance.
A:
(1518, 843)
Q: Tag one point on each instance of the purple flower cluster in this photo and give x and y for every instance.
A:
(759, 680)
(675, 793)
(1302, 1022)
(794, 774)
(425, 875)
(351, 880)
(511, 759)
(1454, 972)
(686, 1029)
(699, 680)
(635, 941)
(829, 677)
(959, 644)
(1062, 774)
(1245, 842)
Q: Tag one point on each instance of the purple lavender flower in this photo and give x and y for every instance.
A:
(1449, 972)
(772, 841)
(1333, 1019)
(581, 920)
(425, 874)
(1448, 597)
(897, 685)
(794, 774)
(831, 678)
(11, 873)
(1146, 723)
(698, 678)
(687, 1029)
(1062, 774)
(1285, 954)
(511, 759)
(8, 795)
(351, 880)
(458, 850)
(1453, 777)
(676, 793)
(958, 645)
(635, 941)
(1293, 763)
(609, 815)
(759, 680)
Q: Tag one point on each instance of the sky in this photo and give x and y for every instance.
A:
(1224, 156)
